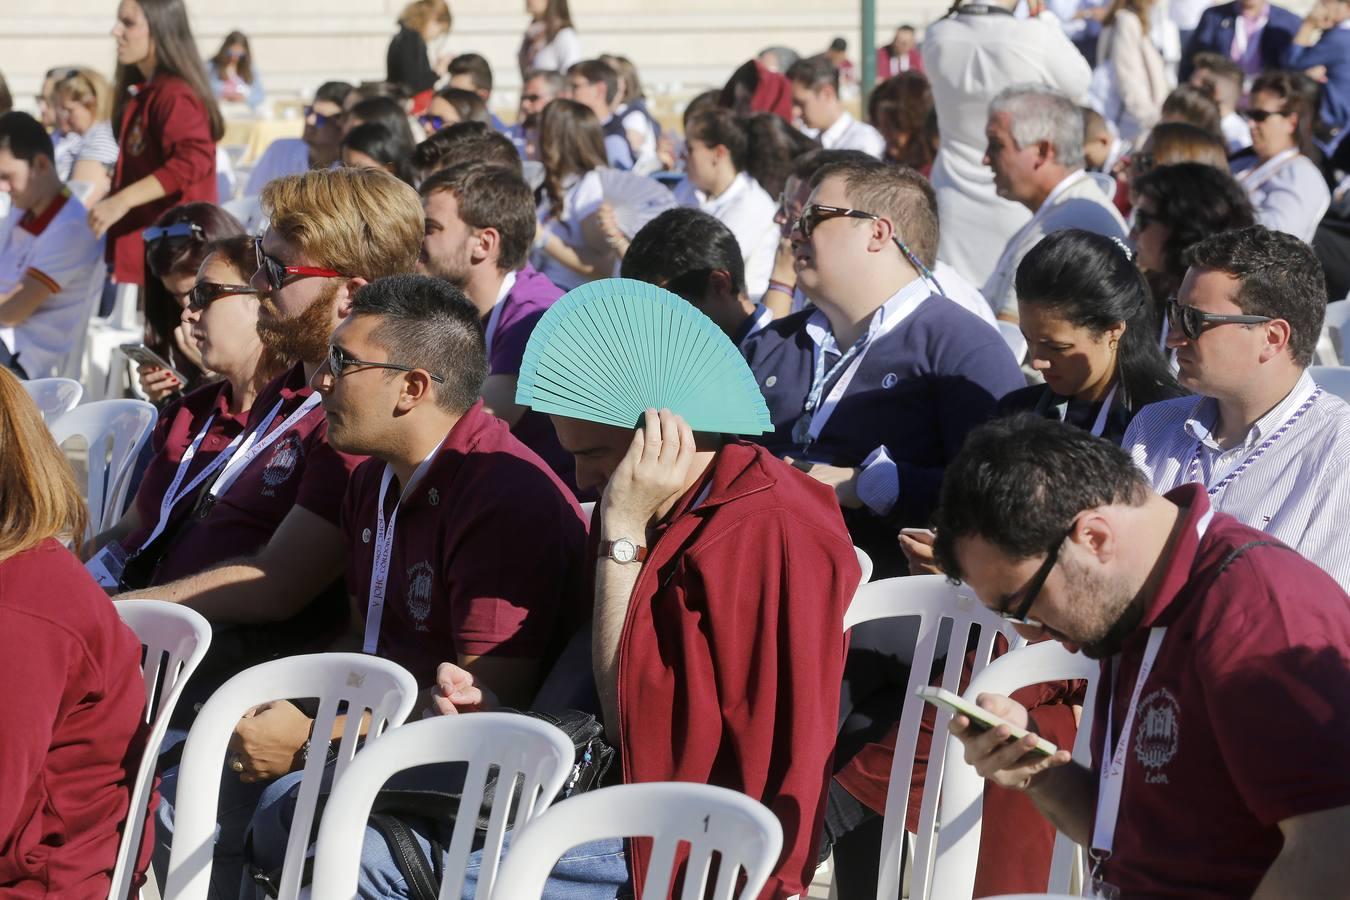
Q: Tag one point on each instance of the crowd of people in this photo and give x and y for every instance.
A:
(1036, 314)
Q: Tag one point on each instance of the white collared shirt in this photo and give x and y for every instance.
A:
(847, 133)
(1298, 490)
(747, 210)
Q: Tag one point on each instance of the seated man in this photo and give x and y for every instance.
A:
(50, 262)
(1036, 153)
(751, 704)
(480, 221)
(595, 85)
(318, 148)
(1218, 749)
(464, 142)
(1272, 448)
(873, 391)
(692, 254)
(815, 101)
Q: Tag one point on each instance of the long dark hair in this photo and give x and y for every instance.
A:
(1193, 201)
(172, 255)
(245, 64)
(389, 149)
(175, 54)
(900, 107)
(1091, 281)
(570, 143)
(773, 147)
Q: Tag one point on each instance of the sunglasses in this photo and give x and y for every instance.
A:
(339, 361)
(530, 98)
(1260, 115)
(277, 273)
(1193, 322)
(814, 214)
(182, 231)
(435, 123)
(319, 118)
(204, 293)
(1033, 588)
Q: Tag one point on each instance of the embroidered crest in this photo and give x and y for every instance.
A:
(420, 577)
(136, 139)
(433, 497)
(285, 458)
(771, 381)
(889, 380)
(365, 536)
(1157, 733)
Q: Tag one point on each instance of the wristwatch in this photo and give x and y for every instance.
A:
(623, 551)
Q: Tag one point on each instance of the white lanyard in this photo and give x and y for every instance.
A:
(172, 495)
(1112, 778)
(1100, 424)
(893, 317)
(252, 447)
(384, 550)
(1255, 178)
(491, 330)
(1240, 40)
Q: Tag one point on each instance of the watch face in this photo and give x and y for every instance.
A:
(623, 551)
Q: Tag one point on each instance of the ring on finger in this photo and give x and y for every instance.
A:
(236, 764)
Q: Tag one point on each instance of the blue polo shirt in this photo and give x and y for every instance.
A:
(926, 379)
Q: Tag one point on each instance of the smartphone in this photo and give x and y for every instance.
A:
(981, 719)
(139, 353)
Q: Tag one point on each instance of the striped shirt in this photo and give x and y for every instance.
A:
(1297, 488)
(97, 144)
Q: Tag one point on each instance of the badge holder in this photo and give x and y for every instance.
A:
(1096, 886)
(107, 565)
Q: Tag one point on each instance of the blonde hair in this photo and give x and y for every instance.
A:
(39, 498)
(360, 222)
(87, 87)
(417, 14)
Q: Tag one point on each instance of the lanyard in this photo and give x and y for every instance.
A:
(1241, 36)
(490, 331)
(384, 550)
(1099, 425)
(254, 445)
(1194, 474)
(1255, 178)
(172, 495)
(1112, 777)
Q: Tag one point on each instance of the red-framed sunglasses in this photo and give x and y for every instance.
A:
(277, 273)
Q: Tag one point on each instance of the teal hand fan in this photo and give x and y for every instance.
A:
(611, 349)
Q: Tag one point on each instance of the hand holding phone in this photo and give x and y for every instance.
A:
(981, 719)
(995, 739)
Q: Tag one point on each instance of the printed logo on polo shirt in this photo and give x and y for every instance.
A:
(889, 380)
(285, 458)
(420, 577)
(1157, 733)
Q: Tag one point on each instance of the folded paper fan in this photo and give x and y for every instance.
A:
(611, 349)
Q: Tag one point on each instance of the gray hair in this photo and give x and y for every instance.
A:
(1040, 113)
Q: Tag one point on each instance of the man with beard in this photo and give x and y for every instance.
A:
(480, 221)
(1219, 744)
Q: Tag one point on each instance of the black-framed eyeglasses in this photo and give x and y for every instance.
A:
(339, 361)
(814, 214)
(1033, 587)
(1260, 115)
(1193, 321)
(276, 272)
(204, 293)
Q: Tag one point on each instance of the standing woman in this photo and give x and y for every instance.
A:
(408, 61)
(234, 78)
(1130, 82)
(550, 43)
(167, 125)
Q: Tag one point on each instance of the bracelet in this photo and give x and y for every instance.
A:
(782, 287)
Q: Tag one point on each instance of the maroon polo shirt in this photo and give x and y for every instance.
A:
(1242, 722)
(487, 558)
(732, 652)
(298, 469)
(177, 428)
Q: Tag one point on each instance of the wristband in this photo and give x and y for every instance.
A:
(782, 287)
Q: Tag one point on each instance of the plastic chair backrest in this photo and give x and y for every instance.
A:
(72, 364)
(363, 683)
(931, 599)
(963, 789)
(866, 562)
(1332, 379)
(115, 431)
(587, 510)
(54, 396)
(743, 832)
(1016, 341)
(512, 744)
(175, 639)
(1335, 320)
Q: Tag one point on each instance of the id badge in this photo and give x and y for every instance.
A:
(107, 565)
(1101, 890)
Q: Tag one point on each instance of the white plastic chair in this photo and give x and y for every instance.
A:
(963, 789)
(516, 745)
(712, 819)
(175, 639)
(114, 431)
(1332, 379)
(932, 599)
(364, 683)
(54, 396)
(1012, 336)
(72, 363)
(588, 510)
(865, 562)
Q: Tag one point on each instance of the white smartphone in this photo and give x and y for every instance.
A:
(981, 719)
(139, 353)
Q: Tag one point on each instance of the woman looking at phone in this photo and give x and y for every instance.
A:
(174, 249)
(220, 317)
